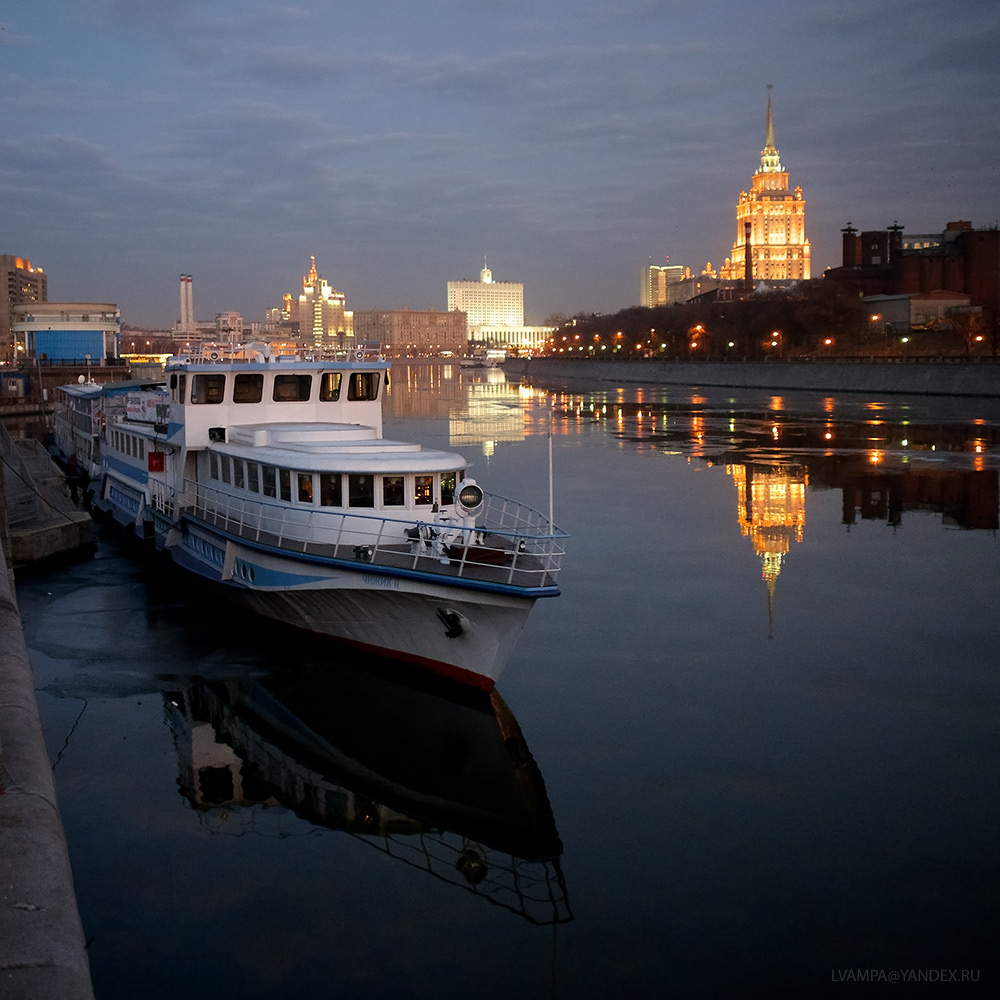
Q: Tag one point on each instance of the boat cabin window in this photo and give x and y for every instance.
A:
(359, 491)
(208, 388)
(128, 444)
(248, 387)
(423, 490)
(291, 388)
(330, 491)
(392, 491)
(362, 489)
(268, 479)
(178, 384)
(329, 387)
(363, 386)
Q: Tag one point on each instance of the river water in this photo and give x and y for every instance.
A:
(752, 747)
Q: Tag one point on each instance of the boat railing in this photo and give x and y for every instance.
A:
(510, 542)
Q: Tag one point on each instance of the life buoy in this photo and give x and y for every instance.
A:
(359, 355)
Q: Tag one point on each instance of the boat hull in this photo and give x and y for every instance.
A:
(462, 633)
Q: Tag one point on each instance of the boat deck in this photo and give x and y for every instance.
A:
(485, 564)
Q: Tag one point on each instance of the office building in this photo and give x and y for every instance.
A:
(20, 283)
(658, 283)
(495, 313)
(487, 302)
(412, 332)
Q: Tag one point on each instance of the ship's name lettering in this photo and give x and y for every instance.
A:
(386, 582)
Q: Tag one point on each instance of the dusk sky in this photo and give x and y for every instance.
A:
(401, 142)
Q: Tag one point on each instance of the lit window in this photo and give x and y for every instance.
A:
(448, 482)
(423, 492)
(363, 386)
(329, 387)
(305, 487)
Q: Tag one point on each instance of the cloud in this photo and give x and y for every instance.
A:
(402, 141)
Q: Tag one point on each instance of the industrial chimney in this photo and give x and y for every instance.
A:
(190, 305)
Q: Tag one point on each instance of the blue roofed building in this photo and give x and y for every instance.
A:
(58, 333)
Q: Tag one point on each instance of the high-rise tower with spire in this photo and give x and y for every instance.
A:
(774, 243)
(324, 322)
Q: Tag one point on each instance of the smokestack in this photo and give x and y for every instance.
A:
(190, 305)
(183, 325)
(748, 263)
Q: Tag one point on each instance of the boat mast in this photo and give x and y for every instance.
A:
(551, 518)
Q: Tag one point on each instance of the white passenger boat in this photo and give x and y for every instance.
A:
(271, 479)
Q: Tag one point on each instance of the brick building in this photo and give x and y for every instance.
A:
(961, 259)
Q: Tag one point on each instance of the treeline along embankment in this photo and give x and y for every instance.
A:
(958, 377)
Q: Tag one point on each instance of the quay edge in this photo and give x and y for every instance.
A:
(932, 378)
(42, 950)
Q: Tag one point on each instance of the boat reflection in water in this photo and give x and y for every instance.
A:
(435, 777)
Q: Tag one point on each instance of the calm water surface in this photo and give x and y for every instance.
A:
(751, 747)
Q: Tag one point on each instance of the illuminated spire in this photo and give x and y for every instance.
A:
(310, 280)
(769, 161)
(769, 138)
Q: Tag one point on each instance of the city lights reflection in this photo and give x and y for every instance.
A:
(883, 459)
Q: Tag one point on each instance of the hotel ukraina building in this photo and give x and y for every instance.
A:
(770, 223)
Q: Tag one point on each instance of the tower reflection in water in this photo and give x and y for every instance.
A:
(437, 778)
(771, 507)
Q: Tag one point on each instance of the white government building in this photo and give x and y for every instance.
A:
(495, 311)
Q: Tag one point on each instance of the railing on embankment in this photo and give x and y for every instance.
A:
(938, 377)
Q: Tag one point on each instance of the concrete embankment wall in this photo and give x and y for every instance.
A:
(926, 378)
(42, 951)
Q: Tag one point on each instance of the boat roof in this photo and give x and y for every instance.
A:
(276, 365)
(85, 389)
(332, 447)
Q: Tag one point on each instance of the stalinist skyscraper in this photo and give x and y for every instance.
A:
(770, 223)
